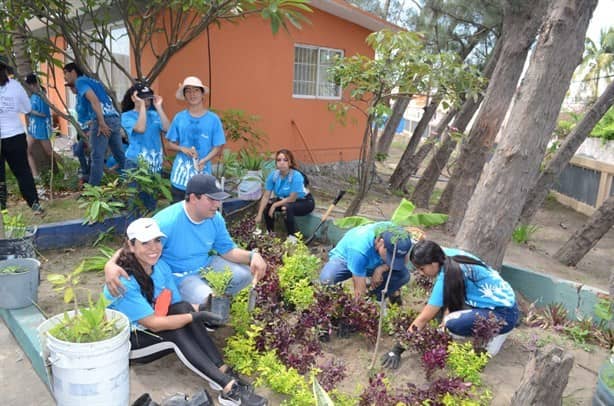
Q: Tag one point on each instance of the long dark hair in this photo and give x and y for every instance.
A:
(127, 103)
(132, 266)
(4, 73)
(454, 292)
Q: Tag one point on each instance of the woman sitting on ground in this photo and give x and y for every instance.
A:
(465, 288)
(163, 322)
(291, 194)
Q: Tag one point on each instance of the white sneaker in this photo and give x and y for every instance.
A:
(495, 344)
(292, 239)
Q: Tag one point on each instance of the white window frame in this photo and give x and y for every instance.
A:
(317, 67)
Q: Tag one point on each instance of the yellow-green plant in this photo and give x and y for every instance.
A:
(465, 363)
(14, 226)
(523, 233)
(218, 281)
(299, 268)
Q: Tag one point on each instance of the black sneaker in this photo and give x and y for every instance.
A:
(242, 381)
(241, 395)
(37, 209)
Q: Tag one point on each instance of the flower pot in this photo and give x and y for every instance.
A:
(604, 394)
(88, 373)
(20, 289)
(250, 187)
(18, 247)
(220, 305)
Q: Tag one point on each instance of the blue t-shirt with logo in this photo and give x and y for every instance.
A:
(188, 245)
(485, 288)
(203, 133)
(83, 84)
(283, 186)
(39, 127)
(357, 248)
(147, 145)
(133, 304)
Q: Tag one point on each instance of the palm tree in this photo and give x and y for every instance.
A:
(598, 63)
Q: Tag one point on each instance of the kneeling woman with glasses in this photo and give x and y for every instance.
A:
(291, 195)
(164, 323)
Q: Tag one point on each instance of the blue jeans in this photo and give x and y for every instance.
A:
(194, 290)
(99, 144)
(336, 271)
(461, 322)
(78, 150)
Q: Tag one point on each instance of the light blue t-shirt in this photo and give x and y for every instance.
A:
(39, 127)
(283, 186)
(357, 248)
(484, 287)
(133, 304)
(203, 133)
(147, 145)
(188, 244)
(83, 84)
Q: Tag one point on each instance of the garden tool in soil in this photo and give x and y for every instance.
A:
(253, 295)
(325, 216)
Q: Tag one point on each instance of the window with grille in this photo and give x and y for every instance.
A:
(311, 77)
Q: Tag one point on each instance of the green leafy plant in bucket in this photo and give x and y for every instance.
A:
(14, 226)
(87, 324)
(7, 270)
(217, 281)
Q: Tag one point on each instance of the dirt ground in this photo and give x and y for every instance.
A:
(503, 374)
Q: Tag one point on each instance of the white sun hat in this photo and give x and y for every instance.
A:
(190, 81)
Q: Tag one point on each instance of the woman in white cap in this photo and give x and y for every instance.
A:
(196, 134)
(163, 321)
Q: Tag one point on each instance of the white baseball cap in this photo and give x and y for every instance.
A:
(144, 230)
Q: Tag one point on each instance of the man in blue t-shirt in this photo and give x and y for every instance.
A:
(105, 128)
(194, 229)
(367, 252)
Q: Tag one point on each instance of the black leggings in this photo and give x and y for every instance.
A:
(14, 150)
(193, 346)
(299, 207)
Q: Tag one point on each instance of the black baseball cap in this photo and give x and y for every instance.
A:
(143, 91)
(203, 184)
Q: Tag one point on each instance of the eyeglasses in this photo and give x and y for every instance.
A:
(282, 159)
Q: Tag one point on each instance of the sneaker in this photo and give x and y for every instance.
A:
(292, 239)
(242, 381)
(396, 298)
(241, 395)
(37, 209)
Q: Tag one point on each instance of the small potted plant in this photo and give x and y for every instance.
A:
(18, 282)
(16, 237)
(88, 348)
(218, 282)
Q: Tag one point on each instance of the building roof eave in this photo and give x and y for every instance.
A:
(351, 13)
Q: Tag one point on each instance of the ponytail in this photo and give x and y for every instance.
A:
(454, 286)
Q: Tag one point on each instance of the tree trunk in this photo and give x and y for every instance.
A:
(565, 153)
(586, 237)
(399, 176)
(495, 207)
(521, 21)
(383, 144)
(545, 378)
(366, 170)
(20, 48)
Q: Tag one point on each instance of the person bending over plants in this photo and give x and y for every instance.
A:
(195, 230)
(466, 289)
(367, 251)
(153, 304)
(291, 195)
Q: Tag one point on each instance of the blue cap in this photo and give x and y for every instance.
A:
(402, 239)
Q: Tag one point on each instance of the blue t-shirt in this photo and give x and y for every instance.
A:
(188, 244)
(133, 304)
(147, 145)
(283, 186)
(357, 248)
(83, 84)
(39, 127)
(203, 133)
(484, 287)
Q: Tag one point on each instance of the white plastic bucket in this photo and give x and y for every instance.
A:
(250, 187)
(88, 373)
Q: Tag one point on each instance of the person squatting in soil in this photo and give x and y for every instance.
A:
(195, 228)
(14, 101)
(196, 134)
(163, 321)
(367, 252)
(285, 191)
(465, 288)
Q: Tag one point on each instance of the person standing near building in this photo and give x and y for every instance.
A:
(105, 129)
(14, 101)
(196, 134)
(39, 123)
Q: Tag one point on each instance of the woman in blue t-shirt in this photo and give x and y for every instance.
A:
(163, 322)
(39, 123)
(465, 288)
(291, 195)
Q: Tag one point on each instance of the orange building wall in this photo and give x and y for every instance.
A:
(252, 70)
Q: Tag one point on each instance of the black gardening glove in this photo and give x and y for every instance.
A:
(207, 317)
(345, 330)
(392, 359)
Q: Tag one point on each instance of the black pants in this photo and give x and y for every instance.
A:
(14, 150)
(194, 347)
(299, 207)
(177, 194)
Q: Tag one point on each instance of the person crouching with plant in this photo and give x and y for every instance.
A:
(292, 197)
(466, 289)
(152, 302)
